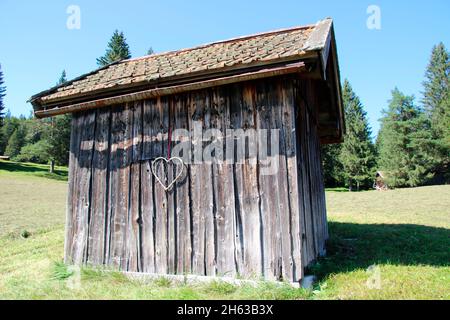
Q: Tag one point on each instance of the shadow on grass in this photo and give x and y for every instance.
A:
(336, 189)
(345, 190)
(34, 169)
(358, 246)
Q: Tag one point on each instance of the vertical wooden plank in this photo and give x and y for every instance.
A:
(323, 198)
(183, 229)
(321, 187)
(247, 184)
(120, 184)
(75, 141)
(83, 204)
(315, 193)
(312, 124)
(235, 110)
(98, 214)
(171, 194)
(309, 187)
(288, 121)
(76, 188)
(312, 186)
(208, 207)
(283, 200)
(134, 214)
(198, 249)
(300, 173)
(159, 132)
(308, 238)
(201, 191)
(267, 181)
(282, 226)
(320, 191)
(115, 132)
(223, 186)
(147, 190)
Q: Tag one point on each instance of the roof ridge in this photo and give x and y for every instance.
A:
(267, 33)
(112, 75)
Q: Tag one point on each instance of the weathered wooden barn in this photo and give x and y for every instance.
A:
(220, 218)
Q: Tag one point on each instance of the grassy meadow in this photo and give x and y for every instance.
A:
(383, 245)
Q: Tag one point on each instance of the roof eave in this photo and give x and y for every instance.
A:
(35, 99)
(157, 92)
(38, 103)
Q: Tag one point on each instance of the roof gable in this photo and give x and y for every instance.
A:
(243, 52)
(309, 51)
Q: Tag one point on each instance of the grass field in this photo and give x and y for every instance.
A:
(383, 245)
(30, 202)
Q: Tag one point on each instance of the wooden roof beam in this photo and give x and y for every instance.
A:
(158, 92)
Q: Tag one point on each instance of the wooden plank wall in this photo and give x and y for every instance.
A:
(222, 218)
(312, 189)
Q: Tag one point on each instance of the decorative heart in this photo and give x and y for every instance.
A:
(179, 170)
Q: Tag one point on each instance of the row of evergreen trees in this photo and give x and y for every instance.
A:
(413, 145)
(47, 140)
(2, 95)
(34, 140)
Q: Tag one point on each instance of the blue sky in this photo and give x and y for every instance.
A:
(36, 45)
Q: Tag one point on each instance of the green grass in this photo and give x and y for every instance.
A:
(28, 202)
(403, 234)
(337, 189)
(31, 269)
(16, 169)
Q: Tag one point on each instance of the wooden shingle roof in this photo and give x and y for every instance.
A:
(157, 69)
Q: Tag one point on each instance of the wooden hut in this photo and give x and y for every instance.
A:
(219, 218)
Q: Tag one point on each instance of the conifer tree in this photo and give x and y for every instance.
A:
(58, 139)
(62, 78)
(357, 153)
(15, 142)
(332, 166)
(405, 142)
(58, 135)
(117, 50)
(436, 102)
(2, 95)
(9, 125)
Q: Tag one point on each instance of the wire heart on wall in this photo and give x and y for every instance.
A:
(177, 162)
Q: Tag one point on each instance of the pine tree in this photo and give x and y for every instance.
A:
(150, 51)
(332, 166)
(62, 78)
(9, 125)
(357, 153)
(2, 95)
(117, 50)
(405, 142)
(57, 135)
(436, 102)
(15, 142)
(58, 139)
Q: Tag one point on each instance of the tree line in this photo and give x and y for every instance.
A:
(45, 141)
(33, 140)
(413, 145)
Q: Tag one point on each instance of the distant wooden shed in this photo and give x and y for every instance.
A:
(219, 218)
